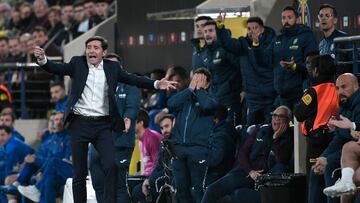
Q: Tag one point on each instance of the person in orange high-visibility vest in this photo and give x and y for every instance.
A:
(319, 103)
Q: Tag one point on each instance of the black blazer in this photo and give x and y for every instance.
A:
(78, 70)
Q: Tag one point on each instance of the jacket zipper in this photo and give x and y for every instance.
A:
(186, 122)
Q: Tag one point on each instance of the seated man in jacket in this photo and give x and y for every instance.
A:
(57, 145)
(347, 88)
(54, 176)
(350, 163)
(148, 190)
(266, 149)
(12, 155)
(194, 108)
(222, 147)
(8, 119)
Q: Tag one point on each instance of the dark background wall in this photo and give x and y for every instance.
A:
(163, 43)
(349, 8)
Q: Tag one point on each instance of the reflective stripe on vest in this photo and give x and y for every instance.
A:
(327, 105)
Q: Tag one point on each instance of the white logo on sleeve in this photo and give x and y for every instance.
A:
(123, 161)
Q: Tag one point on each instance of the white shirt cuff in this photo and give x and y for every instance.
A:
(353, 126)
(156, 84)
(42, 61)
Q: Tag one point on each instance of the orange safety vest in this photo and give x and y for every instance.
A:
(6, 91)
(327, 105)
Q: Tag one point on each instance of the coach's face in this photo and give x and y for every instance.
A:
(94, 52)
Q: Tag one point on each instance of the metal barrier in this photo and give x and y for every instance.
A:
(22, 68)
(352, 41)
(9, 67)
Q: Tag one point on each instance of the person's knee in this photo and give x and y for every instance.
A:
(109, 167)
(350, 146)
(10, 179)
(137, 193)
(197, 193)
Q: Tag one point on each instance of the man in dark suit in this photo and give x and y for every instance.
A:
(91, 110)
(128, 103)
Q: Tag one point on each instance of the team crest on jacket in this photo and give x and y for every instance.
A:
(306, 99)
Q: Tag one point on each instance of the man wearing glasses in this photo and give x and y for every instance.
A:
(267, 149)
(328, 18)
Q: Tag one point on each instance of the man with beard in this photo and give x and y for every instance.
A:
(319, 103)
(147, 189)
(42, 39)
(286, 53)
(349, 164)
(224, 67)
(348, 91)
(328, 18)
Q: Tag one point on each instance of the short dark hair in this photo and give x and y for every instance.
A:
(25, 4)
(329, 6)
(144, 117)
(104, 42)
(113, 55)
(165, 116)
(78, 3)
(103, 1)
(67, 3)
(7, 129)
(14, 37)
(55, 9)
(203, 18)
(4, 38)
(180, 71)
(159, 73)
(255, 19)
(210, 22)
(312, 53)
(204, 71)
(291, 8)
(61, 84)
(325, 65)
(89, 1)
(39, 29)
(9, 114)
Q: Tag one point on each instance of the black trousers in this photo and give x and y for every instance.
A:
(98, 133)
(122, 161)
